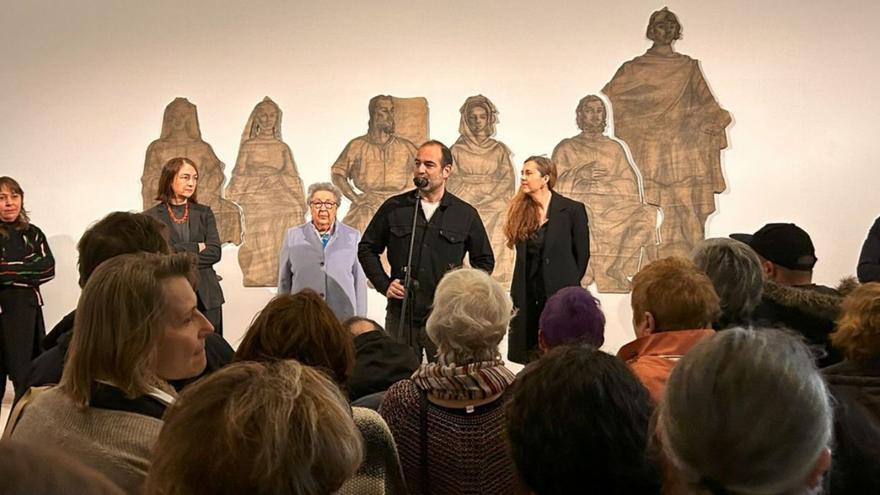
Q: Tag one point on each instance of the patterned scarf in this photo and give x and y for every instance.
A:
(474, 381)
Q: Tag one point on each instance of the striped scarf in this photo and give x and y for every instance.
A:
(473, 381)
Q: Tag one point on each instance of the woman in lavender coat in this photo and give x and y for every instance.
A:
(322, 255)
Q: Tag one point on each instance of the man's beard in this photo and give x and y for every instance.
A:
(594, 129)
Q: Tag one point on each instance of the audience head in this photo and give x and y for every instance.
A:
(32, 469)
(858, 329)
(260, 428)
(119, 233)
(470, 316)
(579, 418)
(735, 272)
(672, 294)
(747, 412)
(299, 326)
(137, 326)
(358, 325)
(571, 315)
(786, 251)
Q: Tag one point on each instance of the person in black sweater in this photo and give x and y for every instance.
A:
(379, 361)
(25, 263)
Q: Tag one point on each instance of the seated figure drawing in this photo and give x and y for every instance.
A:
(375, 166)
(483, 176)
(266, 185)
(182, 137)
(594, 170)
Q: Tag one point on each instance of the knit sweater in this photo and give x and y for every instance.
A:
(467, 453)
(115, 443)
(380, 473)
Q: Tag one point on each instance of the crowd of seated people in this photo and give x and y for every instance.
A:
(744, 377)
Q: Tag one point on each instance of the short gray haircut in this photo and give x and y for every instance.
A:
(470, 316)
(324, 186)
(746, 411)
(735, 271)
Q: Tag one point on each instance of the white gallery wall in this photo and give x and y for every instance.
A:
(84, 85)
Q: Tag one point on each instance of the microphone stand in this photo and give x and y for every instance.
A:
(407, 276)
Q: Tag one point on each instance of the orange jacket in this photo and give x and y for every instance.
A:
(652, 357)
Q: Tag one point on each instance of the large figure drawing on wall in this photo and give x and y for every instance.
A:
(378, 165)
(483, 176)
(267, 186)
(181, 137)
(675, 129)
(594, 170)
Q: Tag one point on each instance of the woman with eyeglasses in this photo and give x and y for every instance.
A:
(322, 255)
(193, 229)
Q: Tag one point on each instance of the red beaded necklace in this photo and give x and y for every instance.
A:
(182, 219)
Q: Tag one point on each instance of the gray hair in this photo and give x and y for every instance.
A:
(735, 271)
(470, 316)
(746, 411)
(324, 186)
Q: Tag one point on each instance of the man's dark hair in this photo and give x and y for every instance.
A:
(444, 150)
(350, 322)
(119, 233)
(579, 415)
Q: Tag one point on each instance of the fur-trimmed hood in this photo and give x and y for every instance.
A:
(815, 300)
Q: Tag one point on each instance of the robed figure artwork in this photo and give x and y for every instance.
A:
(665, 112)
(181, 137)
(594, 170)
(378, 165)
(483, 176)
(266, 185)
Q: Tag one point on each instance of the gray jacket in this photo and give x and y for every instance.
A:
(333, 272)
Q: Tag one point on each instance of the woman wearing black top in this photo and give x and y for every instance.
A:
(193, 229)
(552, 243)
(25, 263)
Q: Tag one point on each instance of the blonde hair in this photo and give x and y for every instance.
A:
(259, 428)
(522, 214)
(676, 293)
(119, 323)
(470, 316)
(858, 329)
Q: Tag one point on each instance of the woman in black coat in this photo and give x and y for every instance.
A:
(25, 263)
(191, 228)
(552, 241)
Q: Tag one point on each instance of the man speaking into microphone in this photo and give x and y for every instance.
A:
(445, 229)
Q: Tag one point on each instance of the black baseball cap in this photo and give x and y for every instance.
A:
(784, 244)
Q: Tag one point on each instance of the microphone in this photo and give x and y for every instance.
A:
(420, 182)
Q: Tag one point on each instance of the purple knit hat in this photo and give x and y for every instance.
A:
(573, 314)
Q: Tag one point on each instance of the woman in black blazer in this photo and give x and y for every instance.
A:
(552, 241)
(191, 228)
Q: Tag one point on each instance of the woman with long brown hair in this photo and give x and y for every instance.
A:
(25, 263)
(193, 229)
(552, 240)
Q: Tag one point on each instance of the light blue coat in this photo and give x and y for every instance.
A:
(333, 272)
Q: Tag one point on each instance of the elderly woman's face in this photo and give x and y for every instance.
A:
(10, 205)
(181, 352)
(478, 119)
(323, 208)
(184, 184)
